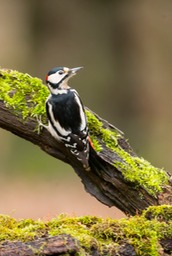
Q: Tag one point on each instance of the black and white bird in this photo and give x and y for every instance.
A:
(66, 116)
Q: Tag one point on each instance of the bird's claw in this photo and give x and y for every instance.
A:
(40, 124)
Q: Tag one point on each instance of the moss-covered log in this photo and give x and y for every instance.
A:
(118, 177)
(147, 235)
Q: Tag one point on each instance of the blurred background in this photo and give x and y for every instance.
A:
(126, 50)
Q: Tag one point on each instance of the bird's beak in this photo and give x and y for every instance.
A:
(74, 70)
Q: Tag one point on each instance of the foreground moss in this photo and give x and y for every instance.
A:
(106, 235)
(27, 95)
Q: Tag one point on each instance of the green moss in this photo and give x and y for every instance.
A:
(141, 172)
(76, 227)
(134, 169)
(105, 234)
(23, 93)
(96, 130)
(24, 230)
(160, 213)
(138, 231)
(96, 144)
(94, 124)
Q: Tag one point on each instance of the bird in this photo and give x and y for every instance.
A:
(66, 116)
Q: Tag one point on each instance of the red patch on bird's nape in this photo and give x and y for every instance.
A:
(46, 78)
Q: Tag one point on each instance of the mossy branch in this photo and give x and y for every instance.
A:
(118, 177)
(147, 235)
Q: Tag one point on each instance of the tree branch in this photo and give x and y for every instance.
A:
(118, 177)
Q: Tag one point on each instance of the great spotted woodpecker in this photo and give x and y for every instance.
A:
(66, 116)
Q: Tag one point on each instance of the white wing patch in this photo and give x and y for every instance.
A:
(82, 114)
(57, 125)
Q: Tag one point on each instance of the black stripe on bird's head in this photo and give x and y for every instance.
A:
(58, 77)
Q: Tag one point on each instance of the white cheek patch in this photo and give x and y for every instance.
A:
(55, 78)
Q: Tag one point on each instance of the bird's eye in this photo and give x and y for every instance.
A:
(61, 72)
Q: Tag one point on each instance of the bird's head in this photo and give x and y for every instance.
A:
(57, 78)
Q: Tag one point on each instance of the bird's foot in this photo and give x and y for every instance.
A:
(40, 124)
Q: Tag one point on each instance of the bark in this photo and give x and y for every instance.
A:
(105, 181)
(67, 245)
(58, 245)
